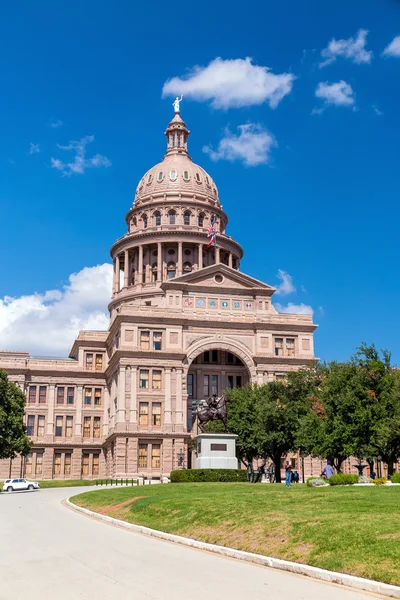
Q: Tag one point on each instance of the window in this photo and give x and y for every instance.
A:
(42, 394)
(60, 395)
(88, 396)
(28, 464)
(238, 381)
(290, 346)
(230, 358)
(198, 178)
(143, 413)
(156, 380)
(186, 218)
(230, 382)
(214, 384)
(143, 456)
(172, 217)
(99, 362)
(144, 379)
(155, 456)
(171, 270)
(179, 139)
(293, 463)
(89, 361)
(30, 429)
(86, 427)
(68, 426)
(70, 395)
(157, 340)
(214, 356)
(187, 267)
(157, 219)
(145, 221)
(96, 427)
(206, 386)
(145, 340)
(39, 463)
(59, 426)
(278, 346)
(57, 463)
(190, 385)
(207, 180)
(96, 461)
(160, 176)
(156, 414)
(97, 396)
(186, 175)
(173, 174)
(206, 357)
(67, 463)
(40, 426)
(154, 272)
(32, 394)
(150, 177)
(201, 220)
(85, 464)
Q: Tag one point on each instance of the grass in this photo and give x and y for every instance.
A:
(351, 530)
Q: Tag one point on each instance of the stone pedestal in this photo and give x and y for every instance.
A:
(216, 451)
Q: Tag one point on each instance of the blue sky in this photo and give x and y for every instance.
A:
(310, 183)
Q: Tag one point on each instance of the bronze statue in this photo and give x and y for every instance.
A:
(216, 410)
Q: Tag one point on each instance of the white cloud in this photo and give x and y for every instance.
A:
(47, 323)
(337, 94)
(295, 309)
(352, 49)
(231, 83)
(79, 162)
(376, 110)
(394, 48)
(252, 145)
(34, 149)
(286, 286)
(56, 124)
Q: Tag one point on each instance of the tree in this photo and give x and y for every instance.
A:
(13, 440)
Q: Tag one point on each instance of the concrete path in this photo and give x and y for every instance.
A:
(48, 552)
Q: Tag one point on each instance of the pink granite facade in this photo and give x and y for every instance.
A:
(185, 323)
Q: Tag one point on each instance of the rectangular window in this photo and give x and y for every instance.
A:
(59, 426)
(278, 346)
(39, 463)
(190, 385)
(230, 382)
(57, 463)
(67, 463)
(157, 340)
(70, 395)
(85, 464)
(290, 346)
(155, 456)
(206, 386)
(96, 462)
(214, 356)
(86, 427)
(68, 426)
(156, 414)
(97, 396)
(96, 427)
(42, 394)
(99, 362)
(145, 340)
(60, 395)
(144, 379)
(230, 358)
(28, 464)
(143, 456)
(214, 384)
(32, 394)
(206, 357)
(88, 396)
(143, 413)
(294, 463)
(238, 381)
(156, 380)
(30, 429)
(89, 361)
(40, 426)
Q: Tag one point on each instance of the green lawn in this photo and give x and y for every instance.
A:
(352, 530)
(59, 483)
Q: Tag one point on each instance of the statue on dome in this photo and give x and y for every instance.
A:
(176, 104)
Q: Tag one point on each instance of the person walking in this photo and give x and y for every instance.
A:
(328, 470)
(288, 470)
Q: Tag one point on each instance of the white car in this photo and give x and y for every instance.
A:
(10, 485)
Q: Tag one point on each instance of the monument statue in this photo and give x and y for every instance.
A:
(216, 410)
(176, 104)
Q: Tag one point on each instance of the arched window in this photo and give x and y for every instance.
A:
(171, 217)
(133, 223)
(187, 267)
(160, 176)
(201, 220)
(171, 270)
(157, 218)
(154, 272)
(186, 218)
(186, 176)
(173, 175)
(145, 221)
(150, 177)
(198, 178)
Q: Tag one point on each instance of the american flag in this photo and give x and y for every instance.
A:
(212, 233)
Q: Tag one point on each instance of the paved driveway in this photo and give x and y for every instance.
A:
(49, 552)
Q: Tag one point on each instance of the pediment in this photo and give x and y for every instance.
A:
(219, 277)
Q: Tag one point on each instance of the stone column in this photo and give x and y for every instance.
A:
(167, 406)
(230, 260)
(200, 251)
(178, 406)
(50, 411)
(133, 407)
(121, 397)
(117, 274)
(159, 262)
(126, 268)
(114, 289)
(140, 265)
(217, 255)
(106, 400)
(179, 258)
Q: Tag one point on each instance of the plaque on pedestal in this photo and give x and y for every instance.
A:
(216, 451)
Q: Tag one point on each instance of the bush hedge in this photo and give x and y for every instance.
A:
(343, 479)
(200, 475)
(395, 478)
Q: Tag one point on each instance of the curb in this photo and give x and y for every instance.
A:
(350, 581)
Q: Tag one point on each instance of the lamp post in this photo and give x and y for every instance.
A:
(379, 461)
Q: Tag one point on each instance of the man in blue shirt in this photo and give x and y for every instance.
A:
(328, 470)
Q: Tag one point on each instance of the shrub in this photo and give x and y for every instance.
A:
(343, 479)
(364, 479)
(395, 478)
(316, 482)
(197, 475)
(380, 481)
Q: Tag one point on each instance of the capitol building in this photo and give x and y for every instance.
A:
(185, 323)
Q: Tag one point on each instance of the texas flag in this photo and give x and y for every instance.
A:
(212, 233)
